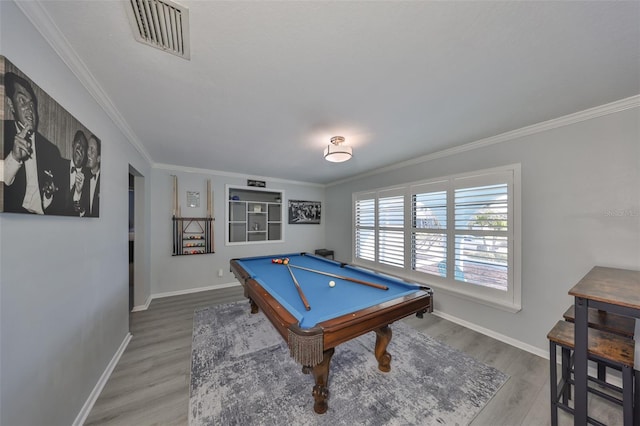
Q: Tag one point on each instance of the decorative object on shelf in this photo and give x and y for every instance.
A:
(192, 235)
(336, 152)
(304, 212)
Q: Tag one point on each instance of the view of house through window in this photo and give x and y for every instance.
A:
(456, 232)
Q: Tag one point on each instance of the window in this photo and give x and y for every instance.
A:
(459, 233)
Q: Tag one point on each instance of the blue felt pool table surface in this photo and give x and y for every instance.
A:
(326, 302)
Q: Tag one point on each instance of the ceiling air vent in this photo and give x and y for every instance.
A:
(162, 24)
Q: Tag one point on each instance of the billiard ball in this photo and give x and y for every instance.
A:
(332, 283)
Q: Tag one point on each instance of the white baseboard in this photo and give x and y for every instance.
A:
(181, 292)
(501, 337)
(142, 307)
(611, 378)
(95, 393)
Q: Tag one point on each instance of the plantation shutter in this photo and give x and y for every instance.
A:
(482, 231)
(429, 228)
(365, 213)
(391, 228)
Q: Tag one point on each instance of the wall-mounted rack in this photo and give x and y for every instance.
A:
(192, 235)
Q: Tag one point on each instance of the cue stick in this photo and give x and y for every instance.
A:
(355, 280)
(175, 194)
(208, 197)
(210, 243)
(304, 299)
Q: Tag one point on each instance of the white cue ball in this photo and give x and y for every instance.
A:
(332, 283)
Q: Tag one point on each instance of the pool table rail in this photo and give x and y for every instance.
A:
(346, 327)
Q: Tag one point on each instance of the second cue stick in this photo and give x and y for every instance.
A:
(304, 299)
(355, 280)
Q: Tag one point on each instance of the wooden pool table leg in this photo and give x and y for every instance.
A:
(383, 337)
(254, 307)
(321, 376)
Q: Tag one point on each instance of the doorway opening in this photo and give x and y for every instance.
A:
(132, 235)
(138, 259)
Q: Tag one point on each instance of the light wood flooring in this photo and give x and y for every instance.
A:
(150, 384)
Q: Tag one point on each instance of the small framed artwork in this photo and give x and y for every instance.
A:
(193, 199)
(304, 212)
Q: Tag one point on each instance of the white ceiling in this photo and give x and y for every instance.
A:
(269, 83)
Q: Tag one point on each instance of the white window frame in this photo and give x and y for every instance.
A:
(509, 300)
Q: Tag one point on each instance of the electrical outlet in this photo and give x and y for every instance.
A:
(220, 272)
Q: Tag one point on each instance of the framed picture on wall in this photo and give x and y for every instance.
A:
(51, 160)
(304, 212)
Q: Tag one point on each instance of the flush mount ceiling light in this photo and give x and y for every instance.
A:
(336, 152)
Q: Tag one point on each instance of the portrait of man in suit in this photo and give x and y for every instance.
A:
(93, 165)
(77, 198)
(45, 166)
(32, 164)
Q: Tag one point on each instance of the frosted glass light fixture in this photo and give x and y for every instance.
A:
(336, 152)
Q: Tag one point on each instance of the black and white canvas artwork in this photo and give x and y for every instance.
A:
(304, 212)
(51, 162)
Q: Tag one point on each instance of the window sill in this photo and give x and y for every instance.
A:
(478, 298)
(498, 304)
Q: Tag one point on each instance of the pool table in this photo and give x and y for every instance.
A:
(315, 317)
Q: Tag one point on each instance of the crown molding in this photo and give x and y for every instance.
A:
(36, 13)
(588, 114)
(41, 20)
(175, 168)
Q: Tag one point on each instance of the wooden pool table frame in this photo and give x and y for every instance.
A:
(336, 330)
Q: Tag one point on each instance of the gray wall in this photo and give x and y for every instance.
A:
(580, 208)
(170, 274)
(63, 281)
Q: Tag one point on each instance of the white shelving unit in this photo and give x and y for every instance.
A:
(254, 215)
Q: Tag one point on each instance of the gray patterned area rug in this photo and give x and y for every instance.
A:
(241, 374)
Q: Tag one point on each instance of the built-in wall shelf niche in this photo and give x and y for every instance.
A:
(253, 215)
(192, 235)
